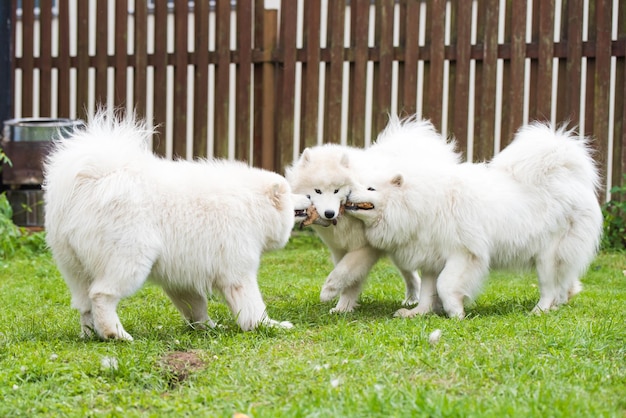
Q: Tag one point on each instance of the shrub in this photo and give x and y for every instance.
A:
(614, 212)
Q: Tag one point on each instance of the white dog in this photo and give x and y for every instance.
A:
(117, 215)
(327, 173)
(534, 205)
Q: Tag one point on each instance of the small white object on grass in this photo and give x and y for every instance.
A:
(109, 363)
(434, 337)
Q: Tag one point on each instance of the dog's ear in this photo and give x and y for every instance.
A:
(345, 161)
(397, 180)
(275, 193)
(305, 157)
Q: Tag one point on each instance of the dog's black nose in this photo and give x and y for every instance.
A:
(329, 214)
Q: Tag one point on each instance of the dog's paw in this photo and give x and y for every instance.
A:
(276, 324)
(342, 309)
(405, 313)
(411, 300)
(328, 293)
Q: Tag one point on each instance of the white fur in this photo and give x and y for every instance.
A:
(117, 215)
(327, 173)
(534, 205)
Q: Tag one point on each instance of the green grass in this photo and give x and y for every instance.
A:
(500, 361)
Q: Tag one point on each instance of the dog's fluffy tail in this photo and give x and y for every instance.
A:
(109, 142)
(542, 154)
(418, 137)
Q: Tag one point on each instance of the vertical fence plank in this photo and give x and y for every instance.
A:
(201, 78)
(309, 110)
(63, 69)
(461, 68)
(244, 91)
(602, 80)
(102, 20)
(513, 106)
(45, 54)
(266, 23)
(574, 57)
(359, 28)
(121, 52)
(28, 19)
(181, 16)
(381, 102)
(286, 79)
(486, 90)
(82, 58)
(619, 139)
(544, 61)
(407, 69)
(434, 89)
(160, 75)
(222, 78)
(141, 57)
(334, 72)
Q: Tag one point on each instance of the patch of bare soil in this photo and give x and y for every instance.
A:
(179, 365)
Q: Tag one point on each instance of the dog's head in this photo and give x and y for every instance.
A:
(323, 175)
(367, 202)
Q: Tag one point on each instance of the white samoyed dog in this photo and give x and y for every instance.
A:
(327, 173)
(533, 205)
(117, 215)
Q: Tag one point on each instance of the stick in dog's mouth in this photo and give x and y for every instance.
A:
(359, 206)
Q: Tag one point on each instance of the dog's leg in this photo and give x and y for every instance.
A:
(352, 269)
(428, 299)
(460, 278)
(78, 282)
(244, 300)
(412, 281)
(193, 306)
(123, 275)
(348, 300)
(548, 286)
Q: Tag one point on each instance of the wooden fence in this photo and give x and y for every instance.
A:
(327, 70)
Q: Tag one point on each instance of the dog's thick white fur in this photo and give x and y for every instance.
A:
(534, 205)
(117, 215)
(326, 173)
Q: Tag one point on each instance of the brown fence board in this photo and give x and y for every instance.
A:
(141, 58)
(485, 108)
(544, 67)
(180, 78)
(309, 109)
(82, 55)
(243, 75)
(101, 56)
(433, 91)
(407, 68)
(160, 74)
(460, 69)
(222, 79)
(45, 69)
(574, 56)
(334, 72)
(286, 79)
(201, 79)
(27, 56)
(121, 52)
(63, 67)
(381, 102)
(513, 97)
(359, 27)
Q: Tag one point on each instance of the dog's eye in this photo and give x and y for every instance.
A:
(318, 191)
(336, 191)
(308, 196)
(371, 189)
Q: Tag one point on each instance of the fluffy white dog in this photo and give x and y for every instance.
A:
(117, 215)
(534, 205)
(327, 173)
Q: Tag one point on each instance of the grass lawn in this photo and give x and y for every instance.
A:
(500, 361)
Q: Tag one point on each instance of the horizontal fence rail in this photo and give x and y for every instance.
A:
(237, 80)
